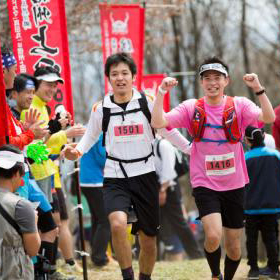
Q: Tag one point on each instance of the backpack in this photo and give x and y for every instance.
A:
(230, 123)
(143, 106)
(181, 161)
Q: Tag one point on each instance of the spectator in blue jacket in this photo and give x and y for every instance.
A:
(262, 203)
(91, 182)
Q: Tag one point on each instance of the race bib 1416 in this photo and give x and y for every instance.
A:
(220, 164)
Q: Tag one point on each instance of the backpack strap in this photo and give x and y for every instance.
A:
(230, 122)
(199, 120)
(157, 147)
(10, 220)
(105, 122)
(121, 161)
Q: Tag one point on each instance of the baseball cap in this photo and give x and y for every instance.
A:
(213, 66)
(9, 159)
(50, 77)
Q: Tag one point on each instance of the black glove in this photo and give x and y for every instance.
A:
(54, 125)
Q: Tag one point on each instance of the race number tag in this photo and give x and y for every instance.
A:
(220, 164)
(126, 133)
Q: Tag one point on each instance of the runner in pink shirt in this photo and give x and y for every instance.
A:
(217, 166)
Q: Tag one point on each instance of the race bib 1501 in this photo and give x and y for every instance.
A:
(128, 132)
(220, 164)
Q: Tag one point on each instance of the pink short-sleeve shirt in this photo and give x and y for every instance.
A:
(218, 166)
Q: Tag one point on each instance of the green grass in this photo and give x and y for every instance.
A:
(182, 270)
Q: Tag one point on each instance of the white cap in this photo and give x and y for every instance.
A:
(213, 66)
(9, 159)
(51, 77)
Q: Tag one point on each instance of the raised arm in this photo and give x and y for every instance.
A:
(158, 119)
(267, 115)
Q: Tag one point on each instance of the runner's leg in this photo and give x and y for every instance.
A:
(147, 257)
(212, 225)
(233, 251)
(118, 223)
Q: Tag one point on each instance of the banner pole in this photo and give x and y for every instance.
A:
(81, 222)
(4, 119)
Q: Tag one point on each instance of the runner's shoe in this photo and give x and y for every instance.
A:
(60, 276)
(76, 268)
(253, 274)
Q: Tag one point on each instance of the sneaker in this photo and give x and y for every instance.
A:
(267, 271)
(253, 274)
(76, 268)
(60, 276)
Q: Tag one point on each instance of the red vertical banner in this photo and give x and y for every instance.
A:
(122, 30)
(3, 104)
(151, 83)
(39, 36)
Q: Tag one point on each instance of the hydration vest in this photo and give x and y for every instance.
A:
(229, 123)
(143, 106)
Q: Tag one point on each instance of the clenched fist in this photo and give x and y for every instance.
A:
(168, 83)
(252, 81)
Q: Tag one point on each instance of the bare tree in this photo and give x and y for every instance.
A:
(244, 45)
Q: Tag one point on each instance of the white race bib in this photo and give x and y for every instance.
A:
(220, 164)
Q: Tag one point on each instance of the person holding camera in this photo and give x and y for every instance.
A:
(19, 237)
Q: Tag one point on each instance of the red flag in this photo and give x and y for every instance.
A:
(3, 104)
(122, 29)
(151, 83)
(39, 36)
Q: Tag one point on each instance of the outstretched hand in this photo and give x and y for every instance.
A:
(31, 117)
(70, 152)
(252, 81)
(75, 131)
(168, 83)
(39, 131)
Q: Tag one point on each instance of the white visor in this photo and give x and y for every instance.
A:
(213, 66)
(51, 77)
(9, 159)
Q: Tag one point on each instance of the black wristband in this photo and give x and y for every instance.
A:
(260, 92)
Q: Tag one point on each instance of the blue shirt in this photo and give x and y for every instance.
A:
(92, 165)
(262, 193)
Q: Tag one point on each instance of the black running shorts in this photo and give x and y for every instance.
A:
(228, 203)
(46, 222)
(62, 204)
(141, 192)
(59, 204)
